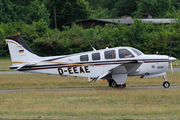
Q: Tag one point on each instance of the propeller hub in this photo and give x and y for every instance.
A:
(172, 59)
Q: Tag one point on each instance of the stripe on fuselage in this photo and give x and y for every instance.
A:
(99, 63)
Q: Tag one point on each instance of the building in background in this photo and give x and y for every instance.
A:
(87, 23)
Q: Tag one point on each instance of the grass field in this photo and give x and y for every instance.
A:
(5, 63)
(92, 104)
(95, 101)
(99, 102)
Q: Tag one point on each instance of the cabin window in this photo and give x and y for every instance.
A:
(96, 56)
(124, 53)
(84, 58)
(110, 54)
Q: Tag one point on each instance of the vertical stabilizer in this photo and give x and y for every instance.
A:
(20, 52)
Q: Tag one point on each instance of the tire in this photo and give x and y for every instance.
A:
(166, 84)
(113, 84)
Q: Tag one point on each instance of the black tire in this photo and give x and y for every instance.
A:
(113, 84)
(166, 84)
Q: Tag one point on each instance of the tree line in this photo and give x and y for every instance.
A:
(35, 20)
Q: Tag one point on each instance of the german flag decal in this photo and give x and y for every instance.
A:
(21, 51)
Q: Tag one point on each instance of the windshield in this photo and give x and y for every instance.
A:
(138, 52)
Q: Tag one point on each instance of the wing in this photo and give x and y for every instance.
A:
(120, 72)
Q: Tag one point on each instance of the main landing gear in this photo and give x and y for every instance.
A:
(113, 84)
(166, 84)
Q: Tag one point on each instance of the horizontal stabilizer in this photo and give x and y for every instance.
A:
(19, 66)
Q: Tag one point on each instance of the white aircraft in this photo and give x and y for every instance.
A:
(112, 64)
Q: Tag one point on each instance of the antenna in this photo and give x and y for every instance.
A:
(93, 48)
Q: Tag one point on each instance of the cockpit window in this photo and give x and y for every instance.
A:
(124, 53)
(138, 52)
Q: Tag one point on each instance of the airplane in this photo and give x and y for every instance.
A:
(112, 64)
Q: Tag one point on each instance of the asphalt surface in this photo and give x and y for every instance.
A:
(174, 69)
(10, 72)
(95, 88)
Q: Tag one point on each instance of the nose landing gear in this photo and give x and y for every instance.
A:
(166, 84)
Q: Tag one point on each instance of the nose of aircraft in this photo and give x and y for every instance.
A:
(172, 59)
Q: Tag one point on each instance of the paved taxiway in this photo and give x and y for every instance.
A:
(95, 88)
(10, 72)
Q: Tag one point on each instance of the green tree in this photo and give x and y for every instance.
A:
(36, 11)
(110, 4)
(119, 8)
(100, 13)
(67, 11)
(22, 2)
(95, 4)
(157, 8)
(29, 11)
(7, 11)
(125, 7)
(175, 4)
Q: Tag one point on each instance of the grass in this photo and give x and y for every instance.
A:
(5, 63)
(92, 104)
(176, 64)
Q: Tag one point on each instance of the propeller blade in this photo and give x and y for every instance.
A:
(171, 68)
(172, 59)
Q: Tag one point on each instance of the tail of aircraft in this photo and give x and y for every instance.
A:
(20, 52)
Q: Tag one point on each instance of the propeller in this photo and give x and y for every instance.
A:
(171, 59)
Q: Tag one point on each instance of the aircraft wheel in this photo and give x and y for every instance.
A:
(113, 84)
(166, 84)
